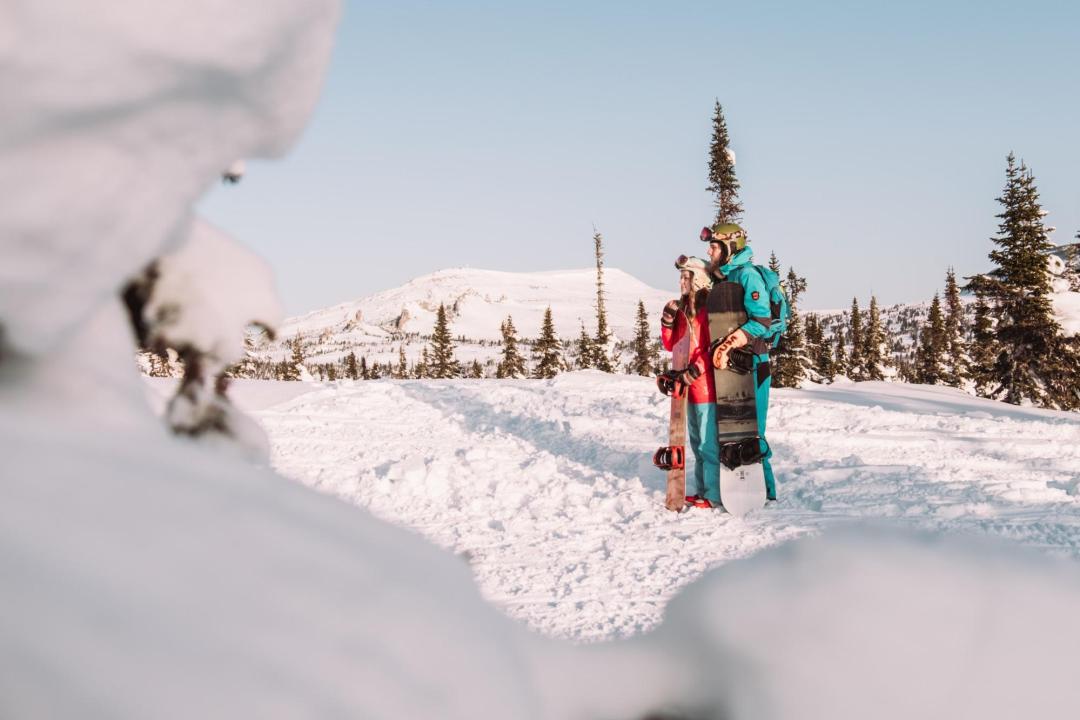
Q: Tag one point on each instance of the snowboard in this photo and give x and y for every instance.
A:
(742, 477)
(672, 457)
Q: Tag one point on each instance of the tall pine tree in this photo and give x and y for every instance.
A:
(584, 350)
(722, 181)
(930, 357)
(1030, 356)
(547, 351)
(982, 352)
(601, 359)
(512, 364)
(875, 352)
(956, 360)
(822, 369)
(442, 364)
(352, 369)
(855, 332)
(840, 357)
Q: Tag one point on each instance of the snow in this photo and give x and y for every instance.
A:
(148, 575)
(547, 488)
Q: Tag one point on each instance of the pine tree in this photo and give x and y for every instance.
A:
(331, 372)
(402, 370)
(352, 369)
(982, 351)
(442, 362)
(601, 359)
(290, 369)
(1030, 347)
(722, 181)
(421, 368)
(476, 371)
(774, 264)
(821, 359)
(840, 358)
(645, 351)
(363, 371)
(584, 348)
(790, 360)
(855, 358)
(956, 361)
(874, 352)
(375, 371)
(512, 364)
(547, 352)
(930, 357)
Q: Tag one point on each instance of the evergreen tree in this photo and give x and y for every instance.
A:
(512, 364)
(874, 352)
(363, 371)
(774, 264)
(645, 351)
(930, 357)
(840, 358)
(331, 372)
(442, 362)
(983, 350)
(1031, 351)
(790, 361)
(476, 372)
(547, 351)
(290, 369)
(375, 371)
(821, 358)
(402, 370)
(352, 369)
(956, 361)
(855, 358)
(585, 353)
(601, 358)
(722, 181)
(421, 368)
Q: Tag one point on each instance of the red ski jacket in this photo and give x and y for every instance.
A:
(703, 390)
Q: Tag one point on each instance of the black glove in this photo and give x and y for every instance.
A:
(667, 317)
(676, 382)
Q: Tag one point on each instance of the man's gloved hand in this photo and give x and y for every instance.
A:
(721, 348)
(667, 317)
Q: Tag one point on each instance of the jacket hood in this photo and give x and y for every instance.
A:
(743, 257)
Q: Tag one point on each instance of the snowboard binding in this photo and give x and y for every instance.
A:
(670, 457)
(741, 361)
(743, 452)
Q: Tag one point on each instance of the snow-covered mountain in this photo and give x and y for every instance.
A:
(477, 303)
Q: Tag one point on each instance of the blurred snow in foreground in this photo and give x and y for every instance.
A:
(146, 576)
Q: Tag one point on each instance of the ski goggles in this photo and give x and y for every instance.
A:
(707, 235)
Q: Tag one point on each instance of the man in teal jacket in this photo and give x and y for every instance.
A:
(731, 260)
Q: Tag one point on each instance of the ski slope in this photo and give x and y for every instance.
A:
(546, 487)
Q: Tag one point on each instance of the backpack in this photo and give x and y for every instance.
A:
(779, 307)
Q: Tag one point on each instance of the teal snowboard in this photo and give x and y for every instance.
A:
(742, 477)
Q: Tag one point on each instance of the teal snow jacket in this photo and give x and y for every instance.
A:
(740, 269)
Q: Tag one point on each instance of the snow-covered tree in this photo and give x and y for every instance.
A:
(722, 181)
(442, 364)
(821, 359)
(290, 370)
(547, 351)
(930, 357)
(840, 357)
(512, 364)
(1031, 354)
(421, 369)
(875, 352)
(402, 370)
(956, 360)
(790, 361)
(982, 351)
(583, 349)
(646, 351)
(855, 332)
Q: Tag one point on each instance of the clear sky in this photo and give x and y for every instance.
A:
(870, 140)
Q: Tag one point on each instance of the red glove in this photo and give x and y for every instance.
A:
(720, 349)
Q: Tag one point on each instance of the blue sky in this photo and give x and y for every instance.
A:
(870, 137)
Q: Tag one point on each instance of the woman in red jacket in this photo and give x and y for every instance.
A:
(687, 314)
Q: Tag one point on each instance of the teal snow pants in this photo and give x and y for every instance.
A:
(763, 381)
(701, 428)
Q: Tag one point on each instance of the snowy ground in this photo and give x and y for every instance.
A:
(547, 488)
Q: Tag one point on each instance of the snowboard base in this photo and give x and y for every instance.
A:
(742, 489)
